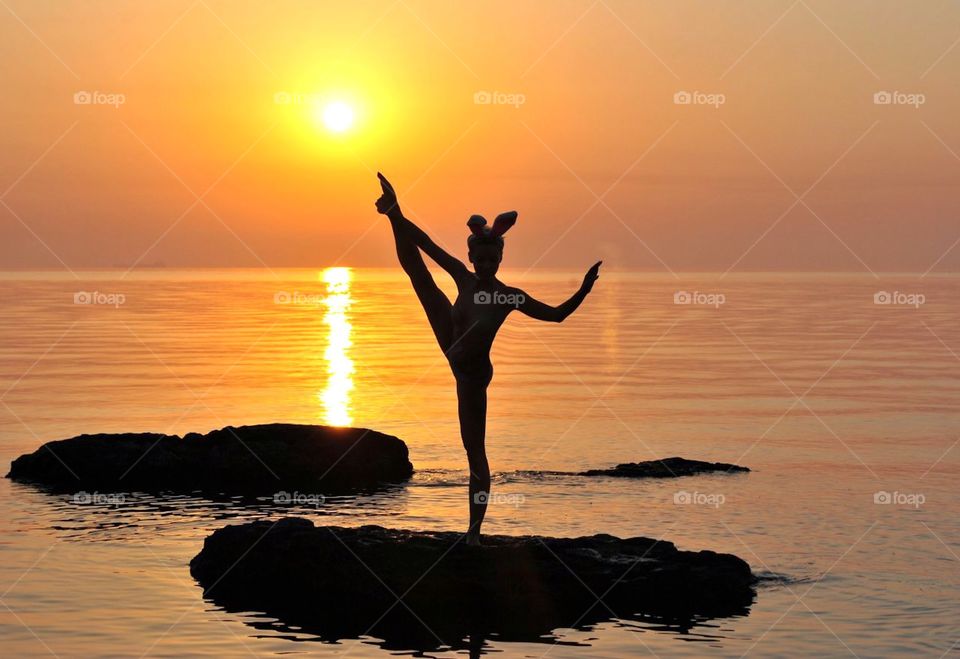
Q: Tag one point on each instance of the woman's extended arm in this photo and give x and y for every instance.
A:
(387, 205)
(540, 311)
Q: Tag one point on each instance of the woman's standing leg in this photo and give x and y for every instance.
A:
(472, 409)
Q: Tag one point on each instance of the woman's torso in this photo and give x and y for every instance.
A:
(478, 313)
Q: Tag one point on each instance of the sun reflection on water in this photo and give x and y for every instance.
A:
(335, 397)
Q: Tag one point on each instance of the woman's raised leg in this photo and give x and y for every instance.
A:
(472, 409)
(434, 302)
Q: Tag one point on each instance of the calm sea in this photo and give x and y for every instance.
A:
(841, 393)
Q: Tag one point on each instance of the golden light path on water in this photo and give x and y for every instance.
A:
(335, 397)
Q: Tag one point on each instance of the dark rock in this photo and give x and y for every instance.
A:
(340, 583)
(259, 459)
(666, 468)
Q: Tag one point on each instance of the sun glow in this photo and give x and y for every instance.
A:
(331, 117)
(336, 116)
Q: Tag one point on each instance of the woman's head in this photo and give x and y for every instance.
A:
(485, 244)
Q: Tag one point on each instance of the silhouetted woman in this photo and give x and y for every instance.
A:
(465, 329)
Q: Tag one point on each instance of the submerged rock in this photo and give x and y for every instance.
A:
(666, 468)
(424, 590)
(259, 459)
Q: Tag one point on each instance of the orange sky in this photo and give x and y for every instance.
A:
(691, 186)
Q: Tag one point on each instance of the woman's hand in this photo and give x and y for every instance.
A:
(592, 275)
(387, 203)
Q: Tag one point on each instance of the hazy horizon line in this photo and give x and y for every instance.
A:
(606, 268)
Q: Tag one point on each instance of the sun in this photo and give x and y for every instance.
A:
(336, 116)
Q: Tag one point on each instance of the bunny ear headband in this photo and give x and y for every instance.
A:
(502, 223)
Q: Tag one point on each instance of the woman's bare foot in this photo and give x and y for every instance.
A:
(472, 539)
